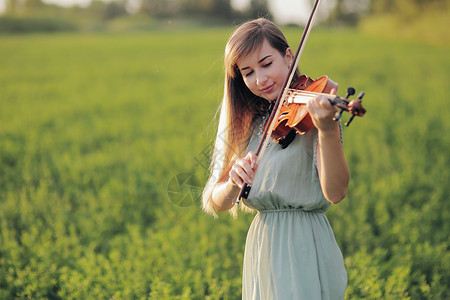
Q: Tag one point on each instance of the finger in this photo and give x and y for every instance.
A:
(252, 158)
(325, 102)
(235, 179)
(243, 176)
(320, 108)
(318, 103)
(333, 91)
(312, 103)
(248, 163)
(311, 106)
(244, 170)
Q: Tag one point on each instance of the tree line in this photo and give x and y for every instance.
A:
(107, 10)
(346, 12)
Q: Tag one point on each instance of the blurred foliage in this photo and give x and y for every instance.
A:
(99, 15)
(94, 128)
(411, 19)
(415, 20)
(14, 24)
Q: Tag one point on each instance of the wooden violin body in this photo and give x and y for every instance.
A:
(294, 113)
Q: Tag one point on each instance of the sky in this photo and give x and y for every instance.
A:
(290, 11)
(284, 11)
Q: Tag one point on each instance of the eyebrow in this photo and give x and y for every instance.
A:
(259, 61)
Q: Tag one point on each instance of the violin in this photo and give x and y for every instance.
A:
(294, 114)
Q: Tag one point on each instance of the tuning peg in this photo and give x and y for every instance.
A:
(350, 91)
(360, 110)
(350, 120)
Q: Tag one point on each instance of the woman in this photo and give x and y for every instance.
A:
(290, 252)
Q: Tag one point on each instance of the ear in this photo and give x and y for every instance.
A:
(289, 57)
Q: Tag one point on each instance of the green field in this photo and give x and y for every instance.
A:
(95, 129)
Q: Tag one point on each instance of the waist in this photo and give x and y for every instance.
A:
(282, 210)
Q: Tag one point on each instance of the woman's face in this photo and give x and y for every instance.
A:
(265, 70)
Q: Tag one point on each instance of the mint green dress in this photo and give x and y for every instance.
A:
(291, 251)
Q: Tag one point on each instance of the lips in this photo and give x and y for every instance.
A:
(268, 89)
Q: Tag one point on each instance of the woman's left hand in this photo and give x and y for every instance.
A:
(322, 112)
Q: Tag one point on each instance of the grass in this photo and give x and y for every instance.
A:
(94, 129)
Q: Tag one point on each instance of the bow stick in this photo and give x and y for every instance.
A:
(279, 102)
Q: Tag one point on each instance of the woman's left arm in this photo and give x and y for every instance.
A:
(334, 174)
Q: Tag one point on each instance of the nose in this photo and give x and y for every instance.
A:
(261, 78)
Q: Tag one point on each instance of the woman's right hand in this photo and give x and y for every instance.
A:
(243, 170)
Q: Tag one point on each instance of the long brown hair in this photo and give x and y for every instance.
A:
(239, 104)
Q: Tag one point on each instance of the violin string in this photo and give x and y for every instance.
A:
(302, 97)
(300, 92)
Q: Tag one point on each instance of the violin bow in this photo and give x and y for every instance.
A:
(265, 138)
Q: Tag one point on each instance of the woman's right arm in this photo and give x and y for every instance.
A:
(224, 195)
(227, 190)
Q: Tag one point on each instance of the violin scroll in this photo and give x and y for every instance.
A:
(354, 107)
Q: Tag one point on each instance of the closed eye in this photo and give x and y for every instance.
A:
(264, 66)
